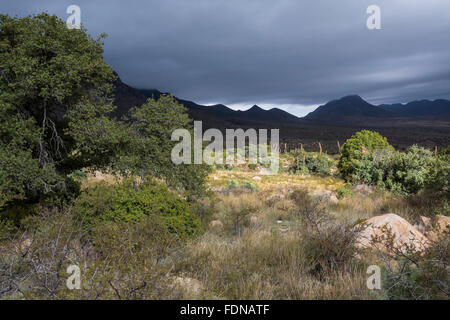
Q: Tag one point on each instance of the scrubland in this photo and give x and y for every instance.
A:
(263, 236)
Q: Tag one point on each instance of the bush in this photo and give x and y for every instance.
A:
(237, 209)
(120, 261)
(232, 184)
(415, 274)
(344, 192)
(248, 185)
(327, 243)
(131, 202)
(405, 173)
(357, 147)
(438, 176)
(311, 162)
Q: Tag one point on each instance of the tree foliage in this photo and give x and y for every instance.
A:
(56, 103)
(152, 125)
(54, 84)
(354, 149)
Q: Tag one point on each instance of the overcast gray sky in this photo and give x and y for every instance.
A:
(293, 54)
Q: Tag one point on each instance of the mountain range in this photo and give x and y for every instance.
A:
(423, 122)
(349, 110)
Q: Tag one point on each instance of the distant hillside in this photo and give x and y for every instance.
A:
(126, 97)
(425, 123)
(219, 115)
(423, 109)
(349, 109)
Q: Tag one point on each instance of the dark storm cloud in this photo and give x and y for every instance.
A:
(284, 52)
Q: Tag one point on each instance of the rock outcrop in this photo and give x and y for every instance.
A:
(379, 229)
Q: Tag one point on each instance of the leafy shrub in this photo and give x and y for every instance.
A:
(438, 176)
(357, 147)
(311, 162)
(131, 202)
(445, 152)
(14, 214)
(344, 192)
(401, 172)
(232, 184)
(249, 186)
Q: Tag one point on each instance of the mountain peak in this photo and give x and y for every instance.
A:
(348, 108)
(352, 97)
(255, 108)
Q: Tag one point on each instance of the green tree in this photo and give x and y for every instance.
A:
(357, 148)
(54, 89)
(152, 125)
(56, 102)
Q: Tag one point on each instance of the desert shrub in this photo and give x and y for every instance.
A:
(327, 244)
(7, 227)
(345, 191)
(237, 210)
(120, 261)
(437, 180)
(311, 162)
(248, 185)
(252, 166)
(15, 214)
(128, 202)
(232, 184)
(357, 147)
(401, 172)
(445, 152)
(409, 273)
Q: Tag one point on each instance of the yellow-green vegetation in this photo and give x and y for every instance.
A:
(284, 240)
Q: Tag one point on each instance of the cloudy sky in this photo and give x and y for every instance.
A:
(293, 54)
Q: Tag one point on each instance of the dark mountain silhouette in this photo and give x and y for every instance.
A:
(426, 123)
(349, 109)
(421, 109)
(221, 114)
(126, 97)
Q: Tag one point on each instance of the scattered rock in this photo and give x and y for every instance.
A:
(216, 224)
(327, 195)
(256, 178)
(283, 230)
(24, 245)
(254, 220)
(442, 223)
(265, 171)
(363, 188)
(432, 227)
(403, 233)
(189, 285)
(333, 199)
